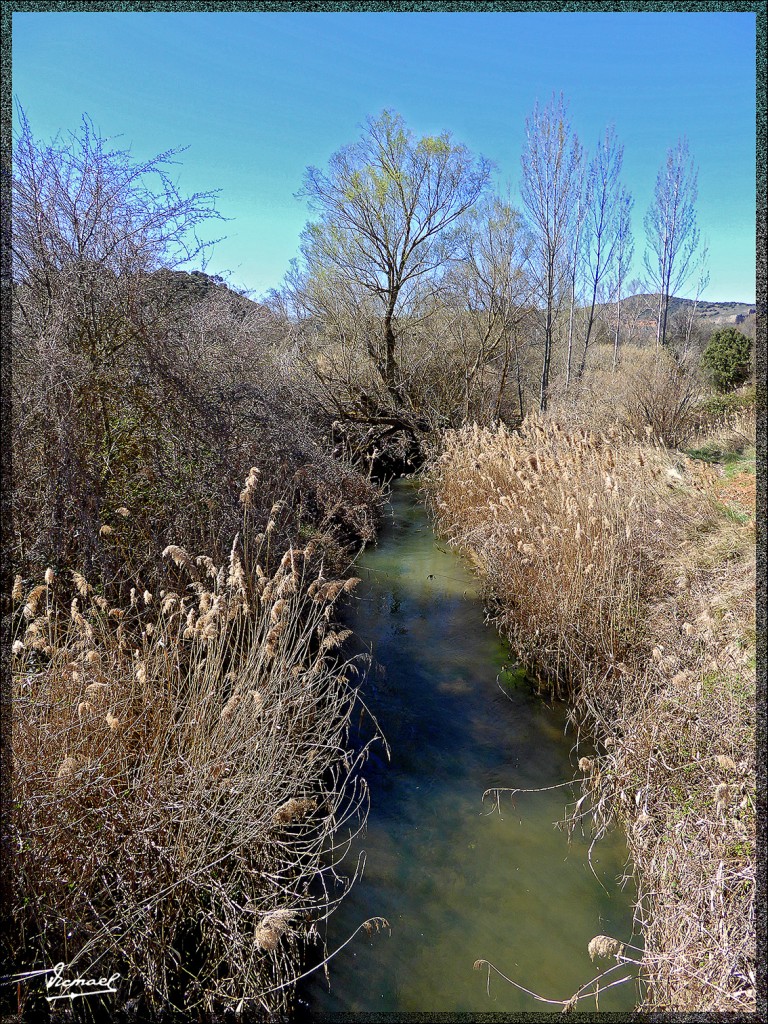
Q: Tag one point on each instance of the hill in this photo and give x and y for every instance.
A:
(716, 312)
(712, 312)
(639, 314)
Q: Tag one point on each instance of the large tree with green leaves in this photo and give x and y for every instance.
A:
(389, 207)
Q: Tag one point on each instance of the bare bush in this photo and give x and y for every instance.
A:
(648, 389)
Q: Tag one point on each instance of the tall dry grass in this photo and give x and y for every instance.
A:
(183, 784)
(728, 433)
(567, 527)
(646, 389)
(629, 587)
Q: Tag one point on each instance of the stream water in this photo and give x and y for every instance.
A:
(456, 879)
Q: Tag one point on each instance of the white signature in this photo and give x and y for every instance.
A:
(89, 986)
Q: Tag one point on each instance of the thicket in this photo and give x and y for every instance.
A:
(648, 390)
(182, 779)
(135, 387)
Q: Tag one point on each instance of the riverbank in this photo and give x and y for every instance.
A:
(457, 875)
(183, 781)
(624, 574)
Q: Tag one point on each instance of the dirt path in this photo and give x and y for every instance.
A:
(738, 490)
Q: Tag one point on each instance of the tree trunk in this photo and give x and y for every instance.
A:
(570, 333)
(573, 293)
(390, 368)
(519, 379)
(587, 333)
(661, 323)
(664, 315)
(544, 396)
(391, 372)
(503, 380)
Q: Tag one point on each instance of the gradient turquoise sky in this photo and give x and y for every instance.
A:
(259, 96)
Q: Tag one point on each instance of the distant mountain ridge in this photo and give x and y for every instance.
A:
(189, 288)
(712, 312)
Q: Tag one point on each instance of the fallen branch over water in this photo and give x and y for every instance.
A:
(569, 1003)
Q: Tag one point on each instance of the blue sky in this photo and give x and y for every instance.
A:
(258, 96)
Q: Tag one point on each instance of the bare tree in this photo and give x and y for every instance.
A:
(672, 235)
(388, 208)
(577, 244)
(332, 322)
(689, 313)
(491, 295)
(80, 209)
(625, 248)
(551, 164)
(606, 232)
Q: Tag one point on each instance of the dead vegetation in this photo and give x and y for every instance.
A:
(183, 788)
(622, 576)
(142, 394)
(182, 780)
(644, 389)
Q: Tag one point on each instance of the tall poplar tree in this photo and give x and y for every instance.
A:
(671, 256)
(608, 205)
(551, 165)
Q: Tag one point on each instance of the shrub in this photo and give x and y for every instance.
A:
(727, 358)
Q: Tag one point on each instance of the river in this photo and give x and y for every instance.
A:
(457, 880)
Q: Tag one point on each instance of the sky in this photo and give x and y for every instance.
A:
(259, 96)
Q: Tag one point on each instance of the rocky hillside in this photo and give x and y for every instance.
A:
(715, 313)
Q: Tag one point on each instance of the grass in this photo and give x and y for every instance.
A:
(626, 578)
(732, 462)
(182, 780)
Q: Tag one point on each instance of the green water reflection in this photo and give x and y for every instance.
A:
(457, 880)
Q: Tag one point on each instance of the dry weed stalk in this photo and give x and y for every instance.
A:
(623, 581)
(186, 782)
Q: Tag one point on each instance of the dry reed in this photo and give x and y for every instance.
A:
(186, 782)
(629, 588)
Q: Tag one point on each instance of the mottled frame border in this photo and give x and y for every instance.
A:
(760, 9)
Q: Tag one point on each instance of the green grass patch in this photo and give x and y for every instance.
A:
(733, 515)
(731, 461)
(733, 464)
